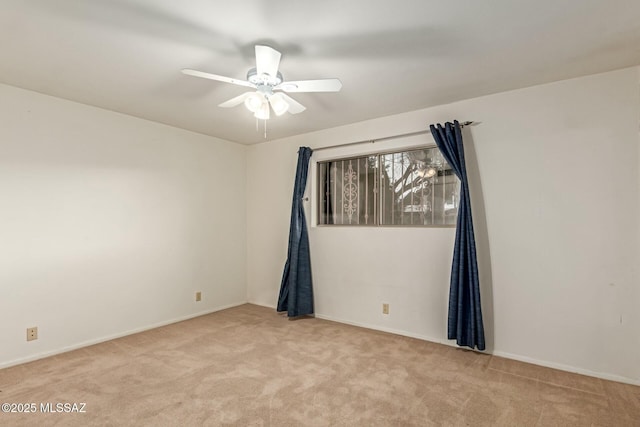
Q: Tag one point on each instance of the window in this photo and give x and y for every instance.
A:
(414, 187)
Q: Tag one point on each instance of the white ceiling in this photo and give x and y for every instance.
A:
(392, 56)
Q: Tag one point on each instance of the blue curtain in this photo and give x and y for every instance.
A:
(465, 313)
(296, 290)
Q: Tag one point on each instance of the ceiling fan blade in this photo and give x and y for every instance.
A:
(235, 101)
(294, 106)
(210, 76)
(323, 85)
(267, 60)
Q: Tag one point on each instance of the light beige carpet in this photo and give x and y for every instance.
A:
(249, 366)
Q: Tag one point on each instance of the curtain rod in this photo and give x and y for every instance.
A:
(373, 141)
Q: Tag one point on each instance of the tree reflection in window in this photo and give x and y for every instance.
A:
(415, 187)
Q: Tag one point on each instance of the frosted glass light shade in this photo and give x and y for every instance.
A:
(279, 105)
(263, 112)
(254, 102)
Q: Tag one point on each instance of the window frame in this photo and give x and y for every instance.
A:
(317, 190)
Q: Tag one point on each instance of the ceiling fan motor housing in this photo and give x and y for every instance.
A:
(264, 79)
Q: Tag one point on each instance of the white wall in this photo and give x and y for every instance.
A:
(110, 224)
(556, 204)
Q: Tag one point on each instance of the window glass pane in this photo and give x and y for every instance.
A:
(347, 191)
(418, 187)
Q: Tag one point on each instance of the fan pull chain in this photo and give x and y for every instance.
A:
(258, 127)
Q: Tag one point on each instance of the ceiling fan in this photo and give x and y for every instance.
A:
(269, 85)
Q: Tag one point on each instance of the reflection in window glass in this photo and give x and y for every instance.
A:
(416, 187)
(348, 191)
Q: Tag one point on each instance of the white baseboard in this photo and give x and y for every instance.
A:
(499, 353)
(568, 368)
(263, 304)
(112, 337)
(547, 364)
(383, 329)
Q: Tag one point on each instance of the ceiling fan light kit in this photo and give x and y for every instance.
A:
(254, 101)
(278, 103)
(265, 79)
(263, 112)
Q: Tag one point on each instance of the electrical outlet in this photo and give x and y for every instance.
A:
(32, 333)
(385, 308)
(198, 296)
